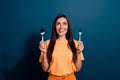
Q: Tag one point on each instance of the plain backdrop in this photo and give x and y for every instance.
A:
(20, 24)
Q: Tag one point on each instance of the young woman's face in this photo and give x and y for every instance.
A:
(61, 26)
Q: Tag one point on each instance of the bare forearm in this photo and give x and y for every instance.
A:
(78, 63)
(44, 63)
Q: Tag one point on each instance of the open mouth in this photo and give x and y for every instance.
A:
(62, 30)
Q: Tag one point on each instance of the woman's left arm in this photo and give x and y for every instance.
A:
(80, 48)
(78, 63)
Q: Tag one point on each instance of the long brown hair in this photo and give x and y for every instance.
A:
(54, 36)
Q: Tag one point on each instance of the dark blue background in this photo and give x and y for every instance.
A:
(20, 24)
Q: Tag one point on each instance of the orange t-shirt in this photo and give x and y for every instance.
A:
(62, 63)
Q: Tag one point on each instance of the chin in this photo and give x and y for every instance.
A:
(61, 34)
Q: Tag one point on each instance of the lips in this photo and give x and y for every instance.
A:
(61, 30)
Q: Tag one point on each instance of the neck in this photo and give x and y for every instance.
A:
(61, 38)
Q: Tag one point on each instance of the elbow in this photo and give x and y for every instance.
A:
(78, 67)
(39, 61)
(45, 68)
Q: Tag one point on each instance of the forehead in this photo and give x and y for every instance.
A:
(61, 19)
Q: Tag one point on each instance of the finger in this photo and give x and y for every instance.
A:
(80, 42)
(42, 46)
(42, 43)
(80, 47)
(42, 49)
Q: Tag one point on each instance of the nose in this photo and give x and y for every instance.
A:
(61, 26)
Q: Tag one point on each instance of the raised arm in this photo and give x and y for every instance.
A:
(43, 56)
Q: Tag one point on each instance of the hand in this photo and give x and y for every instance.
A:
(80, 47)
(42, 46)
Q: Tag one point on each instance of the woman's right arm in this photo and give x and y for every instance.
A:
(44, 62)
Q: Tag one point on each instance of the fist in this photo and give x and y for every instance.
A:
(42, 46)
(80, 47)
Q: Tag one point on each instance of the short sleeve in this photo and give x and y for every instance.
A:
(41, 54)
(41, 57)
(81, 54)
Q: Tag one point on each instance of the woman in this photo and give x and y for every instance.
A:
(61, 56)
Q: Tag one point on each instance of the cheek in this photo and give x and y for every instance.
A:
(57, 28)
(66, 28)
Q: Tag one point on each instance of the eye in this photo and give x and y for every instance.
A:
(64, 23)
(57, 23)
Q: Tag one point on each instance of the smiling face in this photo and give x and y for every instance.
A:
(61, 27)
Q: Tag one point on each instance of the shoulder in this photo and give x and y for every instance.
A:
(75, 41)
(47, 41)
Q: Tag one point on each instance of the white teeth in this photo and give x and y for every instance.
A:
(61, 30)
